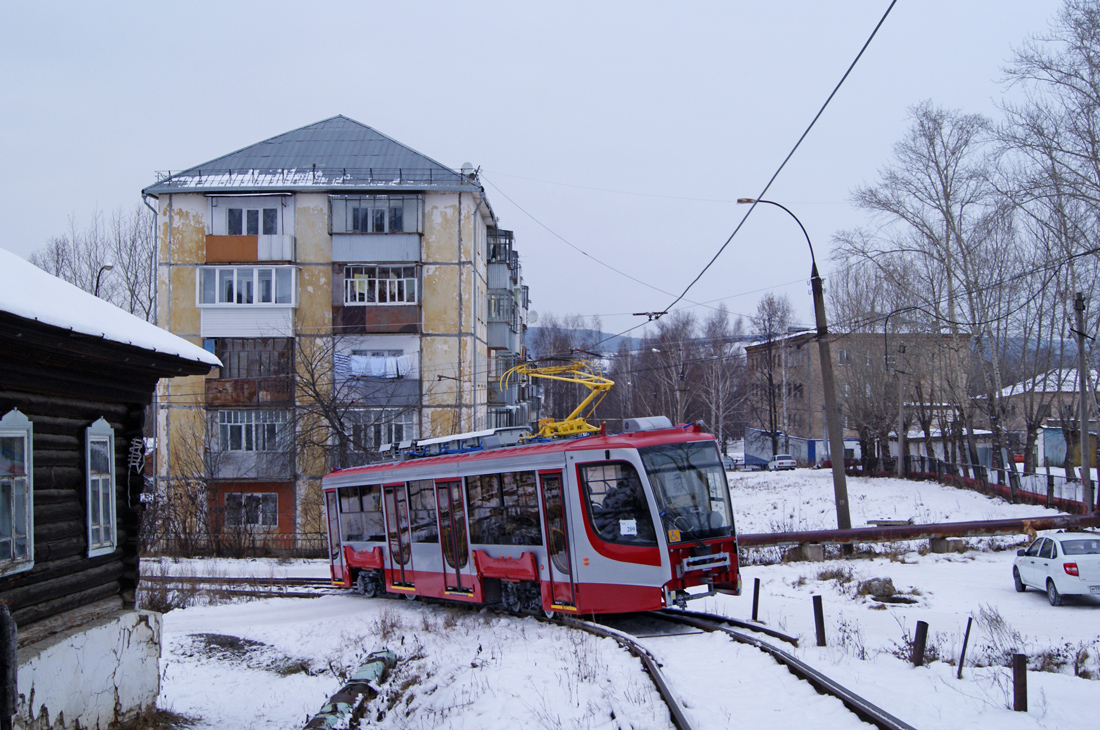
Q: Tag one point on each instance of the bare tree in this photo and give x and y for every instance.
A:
(567, 338)
(771, 322)
(125, 241)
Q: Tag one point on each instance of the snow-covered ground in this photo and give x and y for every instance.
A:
(474, 669)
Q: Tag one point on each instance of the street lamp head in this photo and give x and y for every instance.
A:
(108, 265)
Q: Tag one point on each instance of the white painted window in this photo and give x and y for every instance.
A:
(16, 493)
(372, 427)
(247, 509)
(263, 285)
(376, 214)
(371, 285)
(99, 460)
(253, 430)
(252, 221)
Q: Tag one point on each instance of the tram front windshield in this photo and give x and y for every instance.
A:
(690, 485)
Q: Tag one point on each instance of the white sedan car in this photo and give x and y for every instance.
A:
(782, 461)
(1062, 563)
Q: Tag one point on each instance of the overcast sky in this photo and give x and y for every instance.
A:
(628, 129)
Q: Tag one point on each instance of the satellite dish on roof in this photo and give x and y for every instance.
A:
(532, 317)
(467, 169)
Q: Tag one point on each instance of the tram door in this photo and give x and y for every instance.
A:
(397, 533)
(557, 538)
(452, 536)
(336, 555)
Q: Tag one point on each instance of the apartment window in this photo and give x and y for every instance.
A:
(100, 465)
(502, 307)
(372, 427)
(843, 356)
(256, 430)
(247, 221)
(16, 493)
(380, 285)
(376, 214)
(253, 357)
(247, 509)
(246, 285)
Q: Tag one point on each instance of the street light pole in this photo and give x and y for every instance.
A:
(832, 415)
(107, 266)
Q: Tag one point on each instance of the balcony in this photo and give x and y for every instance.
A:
(241, 249)
(237, 392)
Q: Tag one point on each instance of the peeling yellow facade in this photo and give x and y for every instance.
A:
(446, 325)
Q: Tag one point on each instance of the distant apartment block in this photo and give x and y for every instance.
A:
(357, 292)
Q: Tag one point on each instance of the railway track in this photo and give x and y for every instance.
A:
(741, 632)
(616, 628)
(248, 586)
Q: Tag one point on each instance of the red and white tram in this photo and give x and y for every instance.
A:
(596, 524)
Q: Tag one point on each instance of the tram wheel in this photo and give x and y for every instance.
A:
(410, 596)
(510, 599)
(550, 614)
(367, 584)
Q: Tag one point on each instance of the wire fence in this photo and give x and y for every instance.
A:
(1047, 489)
(240, 544)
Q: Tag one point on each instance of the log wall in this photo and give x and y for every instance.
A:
(63, 382)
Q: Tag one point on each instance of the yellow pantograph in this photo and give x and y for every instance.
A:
(582, 372)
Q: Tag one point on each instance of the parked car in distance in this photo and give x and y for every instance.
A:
(781, 461)
(1062, 564)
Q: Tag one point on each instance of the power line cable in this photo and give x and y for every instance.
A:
(797, 144)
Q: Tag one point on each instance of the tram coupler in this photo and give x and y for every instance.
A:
(680, 597)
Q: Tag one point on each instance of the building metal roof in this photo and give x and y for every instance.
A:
(336, 154)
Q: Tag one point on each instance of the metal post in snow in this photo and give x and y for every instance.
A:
(920, 641)
(819, 621)
(755, 598)
(1019, 682)
(966, 639)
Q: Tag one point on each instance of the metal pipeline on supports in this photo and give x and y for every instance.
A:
(918, 532)
(344, 708)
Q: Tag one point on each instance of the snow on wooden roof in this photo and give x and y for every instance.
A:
(29, 292)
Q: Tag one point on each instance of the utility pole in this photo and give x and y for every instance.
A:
(901, 413)
(1082, 376)
(832, 416)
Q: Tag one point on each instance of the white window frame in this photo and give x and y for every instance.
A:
(100, 491)
(245, 286)
(242, 510)
(382, 422)
(15, 425)
(252, 424)
(359, 292)
(343, 217)
(260, 212)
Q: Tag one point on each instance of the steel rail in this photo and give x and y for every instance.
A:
(980, 528)
(862, 708)
(679, 719)
(236, 580)
(759, 628)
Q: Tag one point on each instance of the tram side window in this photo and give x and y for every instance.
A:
(521, 508)
(504, 509)
(616, 503)
(422, 511)
(361, 514)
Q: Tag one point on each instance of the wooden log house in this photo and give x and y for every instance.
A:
(76, 375)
